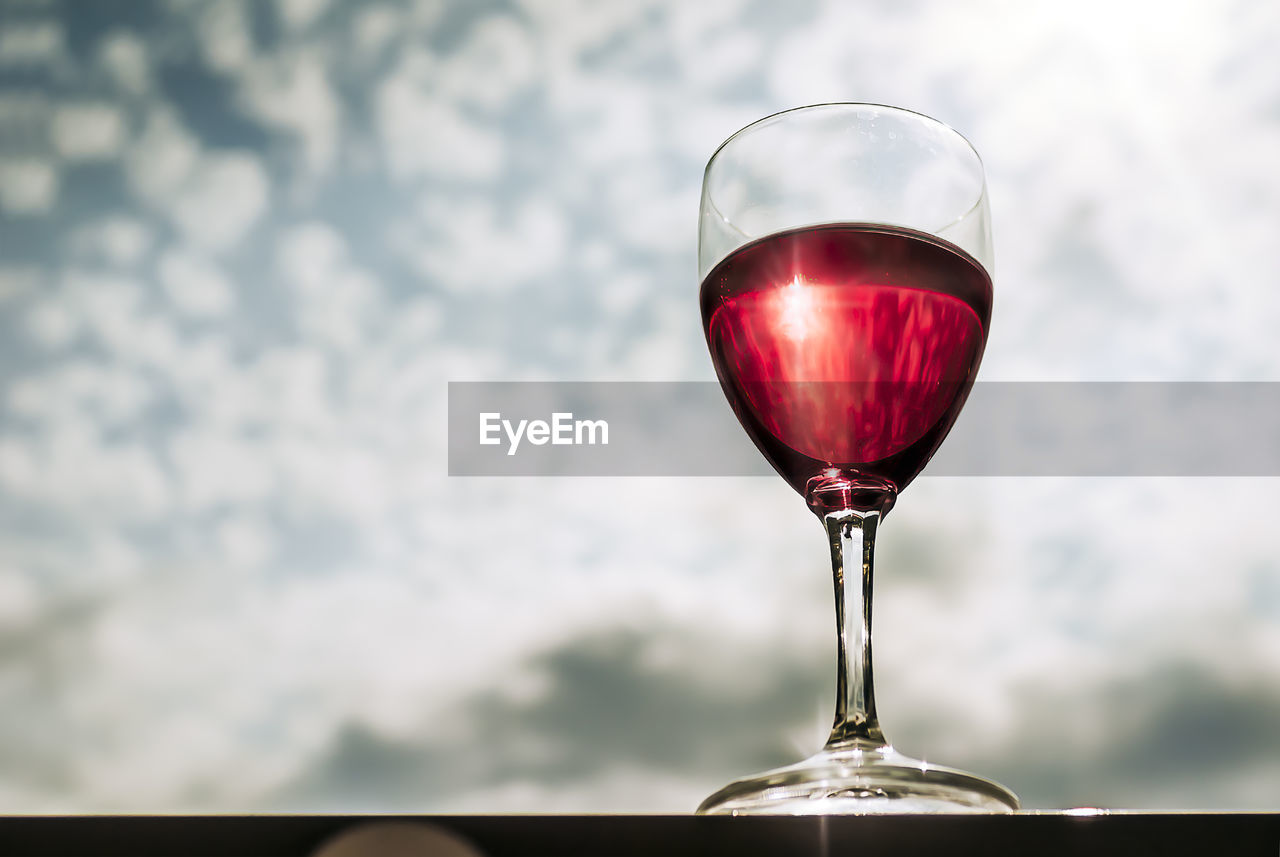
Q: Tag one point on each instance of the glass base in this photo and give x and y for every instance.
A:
(860, 782)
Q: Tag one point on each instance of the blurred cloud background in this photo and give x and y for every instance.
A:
(245, 245)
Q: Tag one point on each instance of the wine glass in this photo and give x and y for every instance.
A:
(845, 254)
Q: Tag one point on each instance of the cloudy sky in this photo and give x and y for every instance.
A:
(245, 245)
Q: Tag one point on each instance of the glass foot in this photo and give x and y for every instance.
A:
(859, 782)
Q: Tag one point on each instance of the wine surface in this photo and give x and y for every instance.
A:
(847, 350)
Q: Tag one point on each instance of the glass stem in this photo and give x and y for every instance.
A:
(852, 535)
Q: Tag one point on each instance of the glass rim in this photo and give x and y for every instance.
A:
(968, 144)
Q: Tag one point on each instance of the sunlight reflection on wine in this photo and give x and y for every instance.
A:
(834, 349)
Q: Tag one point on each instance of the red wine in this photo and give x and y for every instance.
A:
(847, 352)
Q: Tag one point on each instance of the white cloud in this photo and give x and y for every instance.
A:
(222, 199)
(813, 65)
(31, 43)
(425, 14)
(569, 28)
(373, 30)
(299, 14)
(111, 311)
(28, 186)
(466, 245)
(291, 92)
(245, 541)
(495, 63)
(727, 60)
(211, 386)
(215, 197)
(18, 281)
(343, 317)
(376, 27)
(107, 302)
(617, 124)
(162, 157)
(195, 285)
(334, 298)
(648, 206)
(81, 391)
(220, 470)
(702, 124)
(51, 324)
(423, 134)
(87, 131)
(308, 254)
(293, 385)
(671, 350)
(621, 292)
(713, 49)
(125, 57)
(226, 41)
(118, 239)
(72, 470)
(19, 603)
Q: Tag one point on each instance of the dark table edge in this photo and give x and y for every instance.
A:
(1168, 834)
